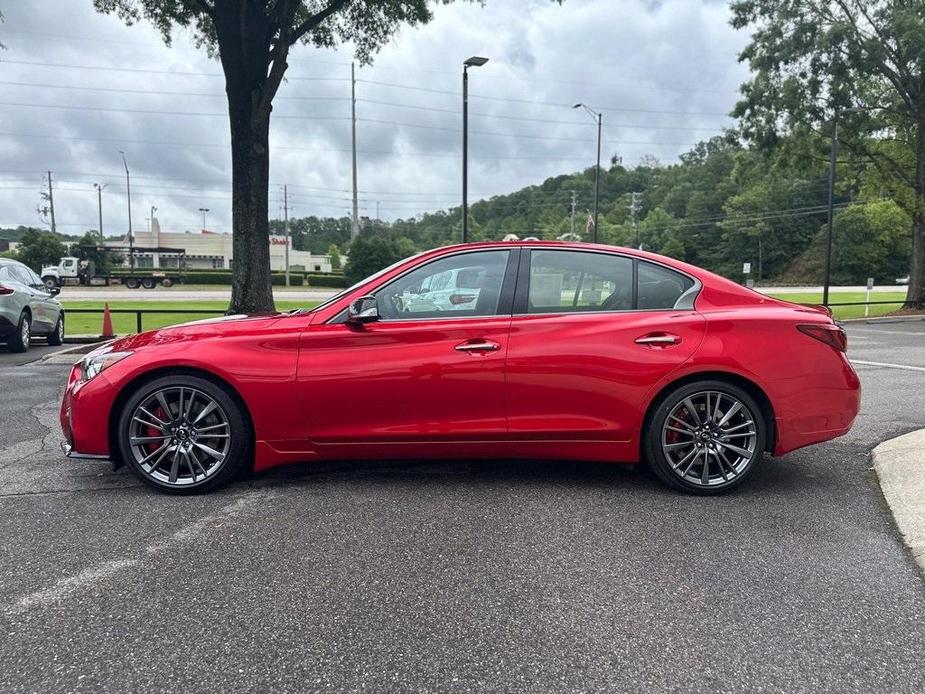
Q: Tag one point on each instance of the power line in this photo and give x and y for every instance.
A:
(163, 93)
(158, 113)
(158, 72)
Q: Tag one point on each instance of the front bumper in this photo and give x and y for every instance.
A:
(71, 453)
(84, 416)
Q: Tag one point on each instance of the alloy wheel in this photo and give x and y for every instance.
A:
(25, 333)
(179, 436)
(710, 438)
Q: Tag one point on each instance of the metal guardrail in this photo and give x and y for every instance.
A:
(139, 312)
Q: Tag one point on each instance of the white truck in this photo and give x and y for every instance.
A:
(73, 271)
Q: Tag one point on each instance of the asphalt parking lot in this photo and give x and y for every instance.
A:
(462, 577)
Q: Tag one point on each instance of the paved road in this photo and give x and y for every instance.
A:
(461, 577)
(36, 351)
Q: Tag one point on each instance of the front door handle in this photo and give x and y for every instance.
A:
(478, 346)
(658, 339)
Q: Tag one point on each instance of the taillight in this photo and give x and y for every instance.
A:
(832, 335)
(5, 290)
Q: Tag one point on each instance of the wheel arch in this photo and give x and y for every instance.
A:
(749, 386)
(130, 387)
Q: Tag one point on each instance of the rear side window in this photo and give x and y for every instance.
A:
(21, 275)
(658, 287)
(574, 281)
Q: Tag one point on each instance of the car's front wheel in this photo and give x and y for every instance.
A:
(57, 335)
(705, 437)
(184, 435)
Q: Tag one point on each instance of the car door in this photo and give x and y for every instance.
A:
(430, 369)
(34, 298)
(592, 334)
(42, 297)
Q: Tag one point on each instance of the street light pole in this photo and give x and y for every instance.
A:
(128, 197)
(474, 61)
(597, 172)
(203, 210)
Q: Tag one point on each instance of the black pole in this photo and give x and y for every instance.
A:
(828, 251)
(99, 196)
(597, 175)
(465, 161)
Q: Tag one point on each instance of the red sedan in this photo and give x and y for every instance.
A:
(495, 350)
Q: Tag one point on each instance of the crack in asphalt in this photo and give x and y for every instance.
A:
(89, 577)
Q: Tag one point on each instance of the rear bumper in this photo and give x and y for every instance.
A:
(816, 409)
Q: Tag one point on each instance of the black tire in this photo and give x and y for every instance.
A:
(753, 437)
(148, 283)
(166, 282)
(22, 338)
(50, 282)
(132, 282)
(56, 337)
(240, 443)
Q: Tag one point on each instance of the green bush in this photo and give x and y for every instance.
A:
(333, 280)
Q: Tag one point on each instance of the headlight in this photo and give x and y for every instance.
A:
(93, 364)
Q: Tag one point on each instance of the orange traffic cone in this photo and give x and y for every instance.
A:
(107, 322)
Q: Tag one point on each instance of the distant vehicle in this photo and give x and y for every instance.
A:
(27, 307)
(444, 291)
(73, 271)
(570, 350)
(904, 281)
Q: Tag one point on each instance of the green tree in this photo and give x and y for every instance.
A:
(335, 257)
(38, 248)
(813, 58)
(252, 38)
(370, 253)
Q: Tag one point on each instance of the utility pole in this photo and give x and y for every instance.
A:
(597, 172)
(355, 225)
(377, 211)
(634, 208)
(51, 204)
(128, 198)
(286, 215)
(573, 211)
(99, 200)
(153, 210)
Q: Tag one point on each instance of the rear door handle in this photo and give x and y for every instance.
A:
(658, 339)
(478, 346)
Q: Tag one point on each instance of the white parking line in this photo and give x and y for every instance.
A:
(908, 333)
(904, 367)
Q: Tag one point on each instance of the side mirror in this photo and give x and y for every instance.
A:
(54, 291)
(363, 310)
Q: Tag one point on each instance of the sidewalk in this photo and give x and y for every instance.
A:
(900, 467)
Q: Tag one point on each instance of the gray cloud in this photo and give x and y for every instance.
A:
(662, 73)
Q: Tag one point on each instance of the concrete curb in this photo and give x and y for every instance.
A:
(884, 319)
(900, 467)
(71, 355)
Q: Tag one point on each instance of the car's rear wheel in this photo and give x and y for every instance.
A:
(705, 437)
(184, 435)
(22, 338)
(56, 337)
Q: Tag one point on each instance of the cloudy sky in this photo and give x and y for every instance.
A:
(77, 87)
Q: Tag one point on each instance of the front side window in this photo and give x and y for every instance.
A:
(463, 285)
(576, 281)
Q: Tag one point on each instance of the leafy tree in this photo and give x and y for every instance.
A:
(335, 257)
(38, 248)
(85, 249)
(814, 58)
(252, 38)
(370, 253)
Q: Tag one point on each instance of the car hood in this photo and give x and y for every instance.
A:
(220, 326)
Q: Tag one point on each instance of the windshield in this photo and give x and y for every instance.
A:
(373, 276)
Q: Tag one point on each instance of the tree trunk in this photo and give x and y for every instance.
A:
(252, 289)
(915, 297)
